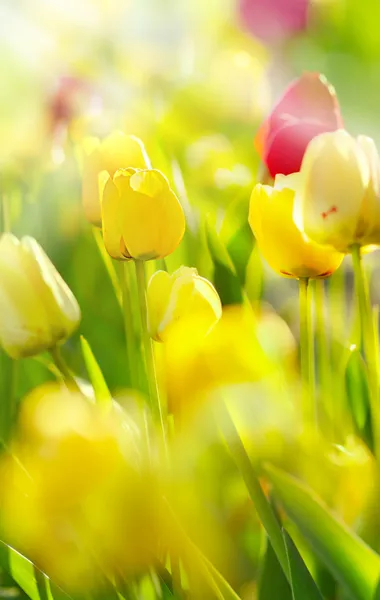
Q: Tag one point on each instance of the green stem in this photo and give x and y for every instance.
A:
(323, 348)
(108, 263)
(307, 354)
(64, 369)
(368, 342)
(129, 329)
(148, 347)
(261, 504)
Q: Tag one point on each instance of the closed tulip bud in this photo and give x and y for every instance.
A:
(37, 308)
(280, 242)
(338, 203)
(182, 295)
(104, 158)
(308, 107)
(142, 217)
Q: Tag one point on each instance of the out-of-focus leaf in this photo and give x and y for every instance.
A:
(352, 562)
(102, 393)
(226, 279)
(273, 583)
(302, 583)
(239, 248)
(357, 390)
(377, 592)
(31, 580)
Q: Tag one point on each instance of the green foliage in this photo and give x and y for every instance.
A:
(352, 562)
(302, 583)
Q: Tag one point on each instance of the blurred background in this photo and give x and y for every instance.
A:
(194, 80)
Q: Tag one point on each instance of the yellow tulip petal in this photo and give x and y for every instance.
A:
(90, 189)
(60, 303)
(112, 224)
(335, 176)
(368, 227)
(158, 295)
(119, 150)
(153, 222)
(280, 242)
(24, 324)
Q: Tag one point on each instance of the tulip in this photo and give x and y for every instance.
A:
(142, 217)
(280, 242)
(197, 366)
(37, 308)
(274, 20)
(77, 479)
(182, 295)
(308, 107)
(338, 202)
(101, 158)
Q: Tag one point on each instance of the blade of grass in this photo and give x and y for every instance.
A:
(102, 393)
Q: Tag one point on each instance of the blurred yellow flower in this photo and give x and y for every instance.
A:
(142, 217)
(197, 365)
(37, 308)
(116, 151)
(281, 243)
(77, 498)
(338, 202)
(179, 296)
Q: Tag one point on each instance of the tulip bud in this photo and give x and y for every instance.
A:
(184, 294)
(142, 217)
(338, 202)
(37, 308)
(115, 152)
(281, 243)
(307, 108)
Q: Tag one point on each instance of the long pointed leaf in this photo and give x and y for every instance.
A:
(302, 583)
(351, 561)
(273, 583)
(102, 393)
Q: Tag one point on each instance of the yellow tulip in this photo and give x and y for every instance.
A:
(142, 217)
(116, 151)
(183, 294)
(283, 246)
(198, 365)
(338, 202)
(37, 308)
(78, 498)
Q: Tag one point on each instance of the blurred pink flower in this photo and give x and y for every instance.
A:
(273, 20)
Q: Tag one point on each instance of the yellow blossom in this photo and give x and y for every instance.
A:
(77, 497)
(283, 246)
(142, 217)
(181, 295)
(338, 202)
(37, 308)
(116, 151)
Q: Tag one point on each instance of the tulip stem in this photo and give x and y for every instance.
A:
(309, 408)
(322, 342)
(64, 369)
(261, 503)
(148, 348)
(368, 342)
(130, 341)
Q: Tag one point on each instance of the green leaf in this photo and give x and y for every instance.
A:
(273, 583)
(377, 592)
(357, 390)
(31, 580)
(302, 583)
(226, 279)
(351, 561)
(239, 248)
(102, 393)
